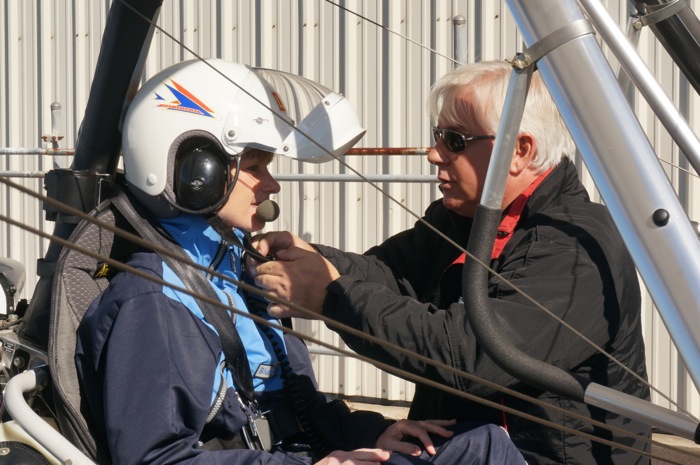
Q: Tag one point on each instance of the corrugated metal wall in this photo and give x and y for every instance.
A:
(383, 55)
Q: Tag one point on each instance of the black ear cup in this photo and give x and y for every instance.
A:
(201, 178)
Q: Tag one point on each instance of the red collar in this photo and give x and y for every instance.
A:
(510, 220)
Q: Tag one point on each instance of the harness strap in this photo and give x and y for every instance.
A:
(292, 389)
(233, 348)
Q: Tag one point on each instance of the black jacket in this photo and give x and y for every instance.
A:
(565, 253)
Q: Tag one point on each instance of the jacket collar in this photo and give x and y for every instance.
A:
(562, 186)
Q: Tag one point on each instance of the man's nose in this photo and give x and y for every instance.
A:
(435, 156)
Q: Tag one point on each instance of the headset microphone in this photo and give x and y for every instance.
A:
(267, 211)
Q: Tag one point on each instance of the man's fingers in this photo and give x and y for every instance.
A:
(404, 447)
(394, 437)
(293, 253)
(298, 276)
(355, 457)
(278, 267)
(417, 431)
(276, 310)
(268, 279)
(368, 455)
(272, 274)
(276, 241)
(438, 427)
(260, 244)
(442, 422)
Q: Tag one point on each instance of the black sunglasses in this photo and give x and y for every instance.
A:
(455, 141)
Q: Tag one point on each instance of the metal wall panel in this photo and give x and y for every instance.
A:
(383, 55)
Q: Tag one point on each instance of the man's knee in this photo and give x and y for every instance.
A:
(479, 444)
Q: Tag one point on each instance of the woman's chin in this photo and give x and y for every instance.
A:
(255, 226)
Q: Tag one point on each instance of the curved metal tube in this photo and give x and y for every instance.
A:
(476, 303)
(33, 424)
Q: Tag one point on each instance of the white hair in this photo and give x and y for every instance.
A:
(486, 83)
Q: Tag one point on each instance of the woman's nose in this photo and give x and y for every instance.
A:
(272, 185)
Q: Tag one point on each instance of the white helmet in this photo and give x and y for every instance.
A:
(215, 106)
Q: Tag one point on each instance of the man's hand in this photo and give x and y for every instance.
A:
(298, 275)
(272, 242)
(392, 438)
(355, 457)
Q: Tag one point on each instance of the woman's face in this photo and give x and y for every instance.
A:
(254, 185)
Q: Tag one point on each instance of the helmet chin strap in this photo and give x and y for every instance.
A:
(228, 236)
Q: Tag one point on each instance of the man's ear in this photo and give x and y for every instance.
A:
(523, 154)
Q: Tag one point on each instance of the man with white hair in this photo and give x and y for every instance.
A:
(556, 246)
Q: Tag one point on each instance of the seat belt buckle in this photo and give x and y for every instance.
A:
(258, 434)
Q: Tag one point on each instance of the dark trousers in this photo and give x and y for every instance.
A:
(472, 444)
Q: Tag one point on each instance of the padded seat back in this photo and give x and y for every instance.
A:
(79, 278)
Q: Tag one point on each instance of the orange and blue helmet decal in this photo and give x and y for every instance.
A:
(184, 101)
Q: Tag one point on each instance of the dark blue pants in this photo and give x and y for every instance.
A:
(472, 444)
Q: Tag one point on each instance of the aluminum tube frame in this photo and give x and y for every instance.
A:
(33, 424)
(620, 159)
(633, 38)
(632, 407)
(678, 33)
(506, 135)
(643, 78)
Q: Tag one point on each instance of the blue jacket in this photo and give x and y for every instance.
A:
(149, 367)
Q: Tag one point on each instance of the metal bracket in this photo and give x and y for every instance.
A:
(534, 52)
(657, 15)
